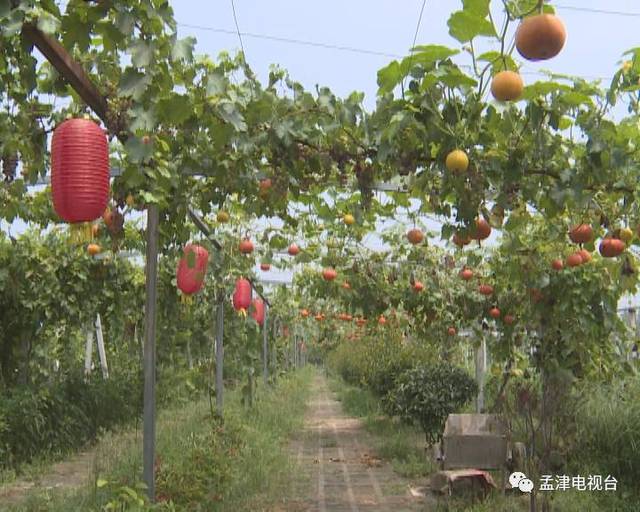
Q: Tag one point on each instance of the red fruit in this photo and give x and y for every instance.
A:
(246, 246)
(574, 260)
(257, 312)
(494, 313)
(319, 317)
(293, 250)
(460, 240)
(585, 255)
(265, 184)
(557, 264)
(581, 234)
(418, 286)
(451, 331)
(346, 285)
(482, 230)
(415, 236)
(611, 247)
(382, 320)
(265, 267)
(466, 274)
(304, 313)
(509, 319)
(485, 289)
(329, 274)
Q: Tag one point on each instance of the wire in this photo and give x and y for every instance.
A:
(235, 20)
(415, 37)
(288, 40)
(598, 11)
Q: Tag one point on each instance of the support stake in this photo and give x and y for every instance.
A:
(101, 352)
(220, 357)
(149, 413)
(265, 348)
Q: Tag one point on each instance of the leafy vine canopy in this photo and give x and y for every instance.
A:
(190, 130)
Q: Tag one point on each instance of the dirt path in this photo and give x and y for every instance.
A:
(71, 473)
(344, 474)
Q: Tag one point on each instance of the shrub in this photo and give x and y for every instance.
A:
(64, 416)
(426, 395)
(375, 362)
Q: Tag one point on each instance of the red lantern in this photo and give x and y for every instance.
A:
(242, 295)
(192, 268)
(258, 311)
(79, 170)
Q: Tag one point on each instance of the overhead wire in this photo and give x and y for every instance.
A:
(235, 20)
(595, 10)
(415, 35)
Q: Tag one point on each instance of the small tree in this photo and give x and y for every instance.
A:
(426, 395)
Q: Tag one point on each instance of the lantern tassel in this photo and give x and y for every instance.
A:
(187, 300)
(81, 233)
(242, 312)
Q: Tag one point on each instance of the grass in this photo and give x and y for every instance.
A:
(203, 463)
(402, 445)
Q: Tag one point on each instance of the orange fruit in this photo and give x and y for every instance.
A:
(581, 234)
(349, 219)
(457, 161)
(415, 236)
(507, 86)
(540, 37)
(574, 260)
(246, 246)
(585, 255)
(93, 249)
(482, 230)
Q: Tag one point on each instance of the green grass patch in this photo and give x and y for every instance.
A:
(203, 463)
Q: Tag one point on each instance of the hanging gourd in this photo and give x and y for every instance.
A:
(258, 311)
(242, 295)
(192, 269)
(79, 170)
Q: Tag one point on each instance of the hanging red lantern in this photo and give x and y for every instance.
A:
(192, 269)
(79, 170)
(242, 295)
(258, 311)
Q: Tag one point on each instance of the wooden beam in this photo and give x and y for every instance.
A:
(204, 229)
(72, 71)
